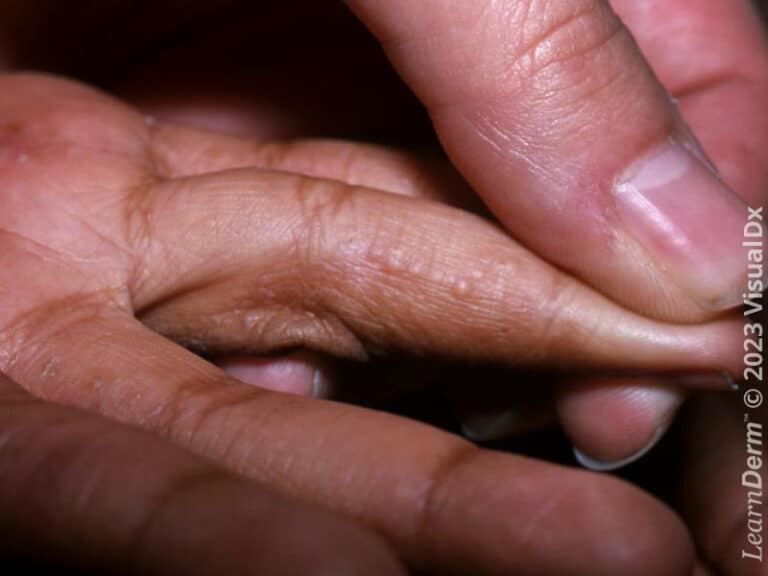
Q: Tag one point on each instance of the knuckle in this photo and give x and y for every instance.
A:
(565, 40)
(439, 486)
(536, 48)
(202, 412)
(551, 325)
(173, 490)
(353, 256)
(328, 210)
(65, 113)
(138, 234)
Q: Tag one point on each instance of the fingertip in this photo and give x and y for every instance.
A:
(538, 518)
(613, 424)
(656, 540)
(301, 373)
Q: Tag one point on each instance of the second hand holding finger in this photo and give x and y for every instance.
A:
(553, 115)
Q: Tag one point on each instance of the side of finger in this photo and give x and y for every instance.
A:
(288, 260)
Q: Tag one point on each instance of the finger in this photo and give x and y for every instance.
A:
(552, 114)
(182, 151)
(613, 422)
(721, 90)
(448, 507)
(315, 263)
(493, 403)
(719, 492)
(81, 492)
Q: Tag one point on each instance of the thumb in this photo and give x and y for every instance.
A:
(551, 112)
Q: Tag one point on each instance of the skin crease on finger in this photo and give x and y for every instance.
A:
(588, 435)
(68, 244)
(180, 153)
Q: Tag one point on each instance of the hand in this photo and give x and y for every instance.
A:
(758, 53)
(218, 243)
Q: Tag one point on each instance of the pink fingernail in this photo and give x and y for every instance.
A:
(688, 221)
(279, 374)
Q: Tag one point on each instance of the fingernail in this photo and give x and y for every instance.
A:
(289, 375)
(690, 224)
(716, 381)
(604, 466)
(661, 405)
(321, 384)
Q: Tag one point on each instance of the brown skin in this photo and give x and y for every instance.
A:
(104, 152)
(715, 454)
(81, 492)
